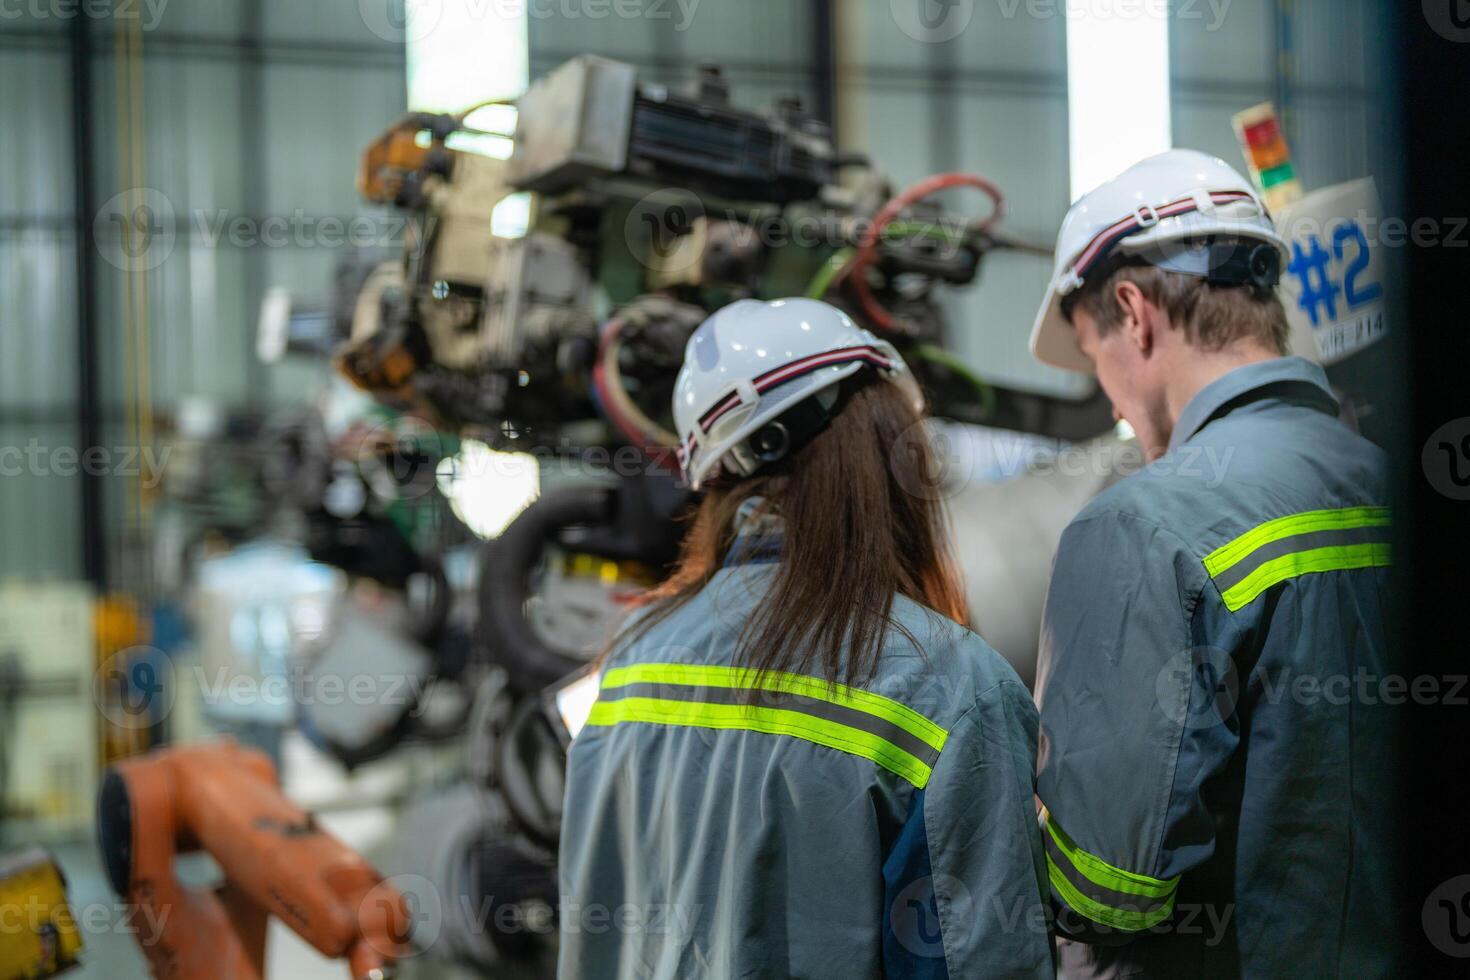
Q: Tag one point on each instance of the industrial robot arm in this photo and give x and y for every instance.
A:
(224, 799)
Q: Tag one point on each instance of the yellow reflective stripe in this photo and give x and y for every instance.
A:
(771, 721)
(1342, 518)
(1124, 919)
(1341, 558)
(704, 675)
(1102, 873)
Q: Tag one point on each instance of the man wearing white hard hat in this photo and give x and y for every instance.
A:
(1210, 767)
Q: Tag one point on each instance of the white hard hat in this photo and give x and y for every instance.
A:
(752, 362)
(1160, 208)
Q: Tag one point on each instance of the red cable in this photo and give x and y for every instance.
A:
(868, 247)
(660, 455)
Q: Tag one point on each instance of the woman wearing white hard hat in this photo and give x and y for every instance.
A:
(798, 756)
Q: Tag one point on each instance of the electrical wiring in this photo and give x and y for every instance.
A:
(922, 229)
(822, 281)
(1008, 243)
(618, 407)
(868, 246)
(851, 262)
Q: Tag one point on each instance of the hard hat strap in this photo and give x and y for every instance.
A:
(786, 434)
(1228, 263)
(876, 357)
(1143, 218)
(795, 369)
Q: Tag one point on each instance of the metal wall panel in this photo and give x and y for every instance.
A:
(776, 32)
(1335, 45)
(37, 291)
(1004, 37)
(318, 120)
(204, 19)
(252, 151)
(554, 39)
(1227, 42)
(906, 149)
(1220, 62)
(1338, 69)
(38, 356)
(250, 109)
(1327, 50)
(992, 322)
(39, 530)
(314, 24)
(991, 100)
(34, 172)
(1331, 141)
(1204, 123)
(191, 114)
(887, 47)
(198, 328)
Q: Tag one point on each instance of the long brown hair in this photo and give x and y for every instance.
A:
(859, 529)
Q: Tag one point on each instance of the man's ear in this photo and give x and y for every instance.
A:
(1138, 316)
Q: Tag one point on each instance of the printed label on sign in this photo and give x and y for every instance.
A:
(1333, 285)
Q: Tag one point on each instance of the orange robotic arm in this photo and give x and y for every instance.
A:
(276, 861)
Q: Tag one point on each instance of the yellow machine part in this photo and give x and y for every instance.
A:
(580, 565)
(120, 625)
(38, 934)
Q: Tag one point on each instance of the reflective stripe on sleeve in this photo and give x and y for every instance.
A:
(1300, 544)
(1103, 893)
(834, 715)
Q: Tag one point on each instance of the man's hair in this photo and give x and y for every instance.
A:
(1212, 316)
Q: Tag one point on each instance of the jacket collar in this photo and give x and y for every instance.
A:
(759, 535)
(1291, 378)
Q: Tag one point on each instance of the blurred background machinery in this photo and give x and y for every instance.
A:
(348, 438)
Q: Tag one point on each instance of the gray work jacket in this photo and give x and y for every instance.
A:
(1215, 734)
(816, 832)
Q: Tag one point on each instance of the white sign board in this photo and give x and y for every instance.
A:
(1333, 287)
